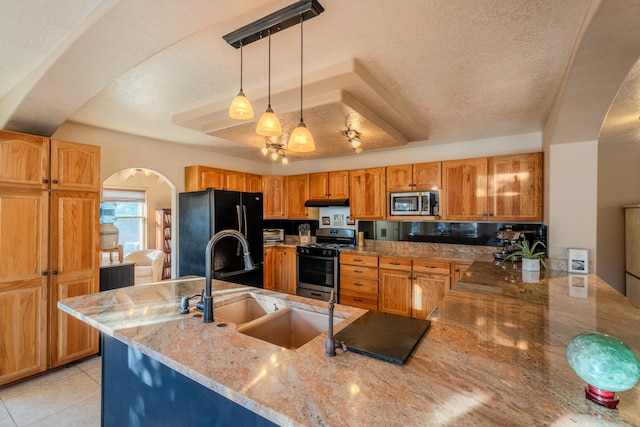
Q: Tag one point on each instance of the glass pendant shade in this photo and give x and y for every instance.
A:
(301, 140)
(269, 124)
(241, 108)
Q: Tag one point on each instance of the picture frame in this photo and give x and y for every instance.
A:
(578, 286)
(326, 220)
(578, 261)
(351, 221)
(338, 219)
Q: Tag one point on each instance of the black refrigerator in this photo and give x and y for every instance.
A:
(201, 214)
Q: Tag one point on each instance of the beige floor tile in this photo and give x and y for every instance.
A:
(51, 398)
(82, 414)
(93, 368)
(36, 383)
(5, 417)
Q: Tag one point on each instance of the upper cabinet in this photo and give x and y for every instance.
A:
(274, 197)
(254, 183)
(515, 187)
(368, 193)
(75, 166)
(24, 160)
(297, 187)
(415, 177)
(329, 185)
(197, 178)
(464, 190)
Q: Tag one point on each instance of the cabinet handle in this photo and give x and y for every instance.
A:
(358, 284)
(45, 181)
(394, 263)
(357, 260)
(45, 273)
(55, 273)
(357, 299)
(55, 181)
(358, 271)
(430, 266)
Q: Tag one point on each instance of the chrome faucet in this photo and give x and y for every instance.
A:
(209, 254)
(330, 347)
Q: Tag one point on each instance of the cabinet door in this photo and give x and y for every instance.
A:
(319, 185)
(24, 161)
(428, 291)
(427, 176)
(297, 187)
(274, 200)
(367, 193)
(464, 190)
(400, 178)
(235, 181)
(515, 187)
(254, 183)
(211, 178)
(74, 271)
(284, 262)
(75, 166)
(268, 268)
(395, 292)
(23, 283)
(339, 185)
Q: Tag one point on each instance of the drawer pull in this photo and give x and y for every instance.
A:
(357, 299)
(358, 284)
(430, 266)
(358, 271)
(394, 263)
(357, 260)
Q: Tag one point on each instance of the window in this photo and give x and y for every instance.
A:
(128, 208)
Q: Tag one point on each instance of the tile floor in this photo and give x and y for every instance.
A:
(68, 396)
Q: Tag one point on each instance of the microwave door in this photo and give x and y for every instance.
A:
(405, 204)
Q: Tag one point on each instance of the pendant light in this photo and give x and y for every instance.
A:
(269, 124)
(301, 140)
(241, 108)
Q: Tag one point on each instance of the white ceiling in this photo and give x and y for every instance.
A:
(417, 71)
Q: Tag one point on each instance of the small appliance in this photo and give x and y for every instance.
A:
(414, 203)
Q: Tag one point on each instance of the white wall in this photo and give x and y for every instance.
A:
(571, 198)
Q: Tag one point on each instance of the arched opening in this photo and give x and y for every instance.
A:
(142, 200)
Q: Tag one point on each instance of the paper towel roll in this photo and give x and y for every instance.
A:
(361, 238)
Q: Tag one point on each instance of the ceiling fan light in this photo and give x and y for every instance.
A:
(301, 140)
(241, 108)
(285, 161)
(269, 124)
(274, 156)
(264, 150)
(355, 143)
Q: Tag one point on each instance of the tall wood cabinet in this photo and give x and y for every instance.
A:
(368, 194)
(464, 195)
(274, 197)
(297, 190)
(515, 187)
(163, 239)
(49, 250)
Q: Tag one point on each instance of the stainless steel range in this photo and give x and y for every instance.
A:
(318, 264)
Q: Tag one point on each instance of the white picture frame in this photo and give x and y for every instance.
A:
(338, 219)
(578, 261)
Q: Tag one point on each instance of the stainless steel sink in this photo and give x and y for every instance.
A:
(288, 327)
(244, 310)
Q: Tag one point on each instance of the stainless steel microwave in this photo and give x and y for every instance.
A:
(414, 203)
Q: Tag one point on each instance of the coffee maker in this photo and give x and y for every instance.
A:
(508, 238)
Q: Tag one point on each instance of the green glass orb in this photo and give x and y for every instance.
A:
(603, 361)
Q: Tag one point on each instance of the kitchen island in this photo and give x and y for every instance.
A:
(494, 355)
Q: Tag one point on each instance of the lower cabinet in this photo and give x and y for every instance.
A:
(280, 269)
(431, 282)
(359, 281)
(395, 286)
(459, 268)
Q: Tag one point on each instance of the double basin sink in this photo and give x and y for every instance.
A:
(272, 320)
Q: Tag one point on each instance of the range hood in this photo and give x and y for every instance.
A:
(325, 203)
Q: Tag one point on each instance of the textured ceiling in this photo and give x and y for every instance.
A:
(434, 71)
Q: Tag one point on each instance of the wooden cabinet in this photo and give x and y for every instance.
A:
(368, 195)
(268, 268)
(359, 280)
(23, 283)
(74, 271)
(163, 239)
(297, 190)
(49, 250)
(274, 197)
(254, 183)
(515, 187)
(284, 269)
(415, 177)
(329, 185)
(197, 178)
(431, 282)
(24, 161)
(395, 286)
(459, 268)
(464, 194)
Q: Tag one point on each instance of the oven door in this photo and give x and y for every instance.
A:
(316, 273)
(405, 203)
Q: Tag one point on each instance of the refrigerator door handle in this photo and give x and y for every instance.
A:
(239, 214)
(246, 227)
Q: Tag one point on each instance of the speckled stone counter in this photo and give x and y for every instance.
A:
(432, 251)
(494, 355)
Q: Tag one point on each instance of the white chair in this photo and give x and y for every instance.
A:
(148, 268)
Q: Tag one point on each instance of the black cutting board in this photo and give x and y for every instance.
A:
(384, 336)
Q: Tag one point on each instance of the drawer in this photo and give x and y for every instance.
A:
(370, 302)
(358, 271)
(393, 263)
(431, 267)
(355, 259)
(360, 285)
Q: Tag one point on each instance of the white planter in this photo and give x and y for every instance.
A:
(530, 276)
(529, 264)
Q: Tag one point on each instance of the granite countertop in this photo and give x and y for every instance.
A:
(494, 355)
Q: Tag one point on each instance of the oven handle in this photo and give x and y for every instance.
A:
(317, 257)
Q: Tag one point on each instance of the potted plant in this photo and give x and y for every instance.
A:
(531, 259)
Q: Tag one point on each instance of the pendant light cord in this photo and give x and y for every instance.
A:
(241, 59)
(269, 74)
(301, 63)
